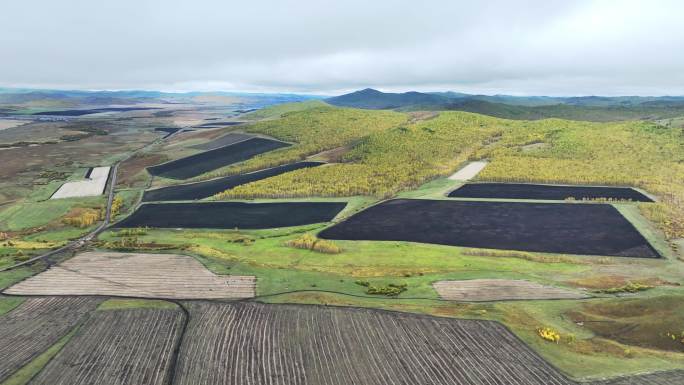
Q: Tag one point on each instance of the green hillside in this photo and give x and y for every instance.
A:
(404, 153)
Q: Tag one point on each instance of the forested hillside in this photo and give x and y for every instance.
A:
(390, 152)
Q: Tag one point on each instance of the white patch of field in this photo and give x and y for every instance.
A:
(477, 290)
(93, 186)
(469, 171)
(137, 275)
(10, 123)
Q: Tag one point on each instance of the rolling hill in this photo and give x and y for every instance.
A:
(591, 108)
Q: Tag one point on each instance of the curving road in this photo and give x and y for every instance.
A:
(80, 242)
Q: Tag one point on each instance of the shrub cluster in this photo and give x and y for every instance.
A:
(628, 288)
(83, 217)
(390, 290)
(310, 242)
(549, 334)
(117, 203)
(131, 232)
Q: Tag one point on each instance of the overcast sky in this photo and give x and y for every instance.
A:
(540, 47)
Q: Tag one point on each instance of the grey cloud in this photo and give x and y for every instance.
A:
(522, 47)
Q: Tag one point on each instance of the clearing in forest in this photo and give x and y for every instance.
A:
(135, 275)
(500, 289)
(470, 171)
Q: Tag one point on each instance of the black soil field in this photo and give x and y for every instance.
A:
(93, 111)
(225, 140)
(218, 124)
(249, 343)
(37, 324)
(167, 130)
(546, 192)
(208, 188)
(229, 215)
(590, 229)
(198, 164)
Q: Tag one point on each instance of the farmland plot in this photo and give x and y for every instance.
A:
(93, 111)
(230, 215)
(500, 289)
(131, 346)
(248, 343)
(93, 185)
(135, 275)
(35, 325)
(225, 140)
(589, 229)
(198, 164)
(546, 192)
(211, 187)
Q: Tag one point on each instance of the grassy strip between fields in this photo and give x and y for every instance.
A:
(7, 304)
(134, 303)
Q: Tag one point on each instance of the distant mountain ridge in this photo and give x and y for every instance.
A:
(74, 98)
(596, 108)
(377, 100)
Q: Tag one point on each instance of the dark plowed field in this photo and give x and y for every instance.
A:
(198, 164)
(546, 192)
(248, 343)
(218, 124)
(117, 347)
(229, 215)
(167, 130)
(225, 140)
(35, 325)
(208, 188)
(592, 229)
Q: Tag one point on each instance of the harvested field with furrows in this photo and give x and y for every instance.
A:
(35, 325)
(673, 377)
(133, 346)
(135, 275)
(249, 343)
(500, 289)
(198, 164)
(211, 187)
